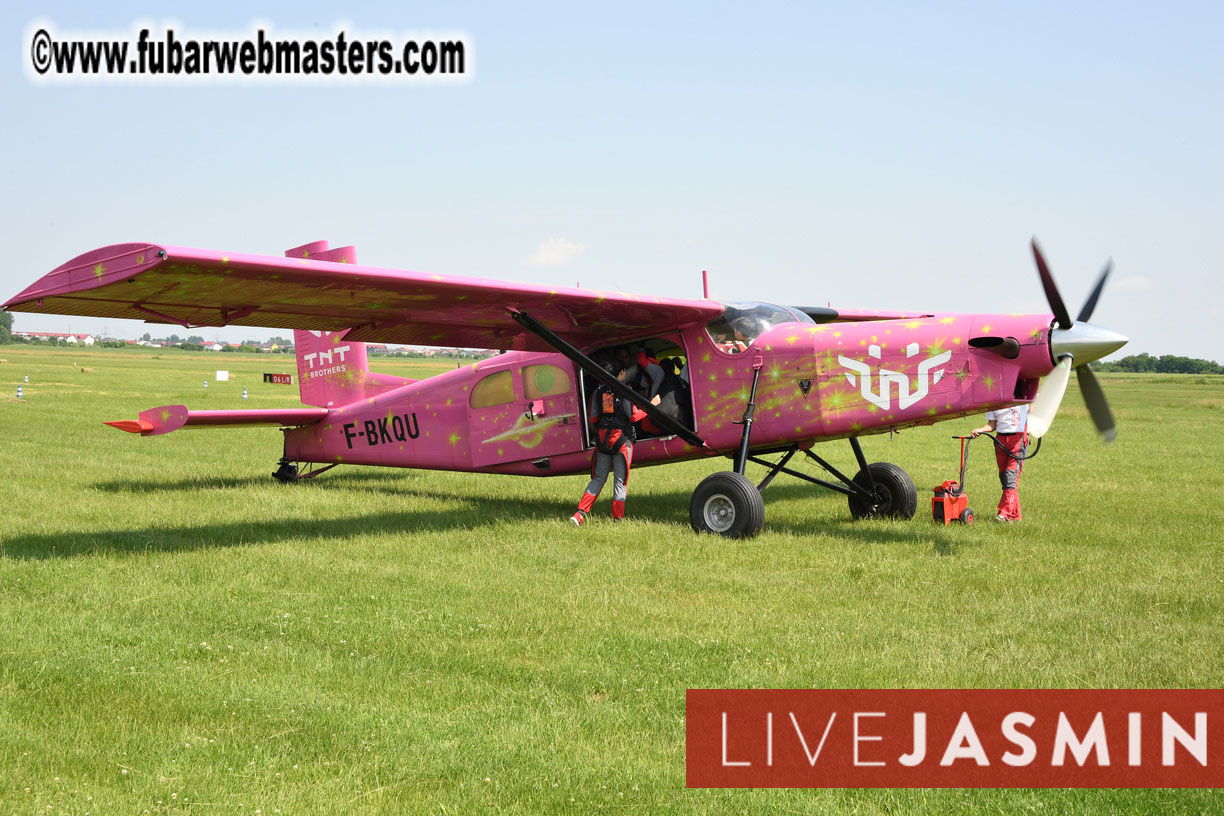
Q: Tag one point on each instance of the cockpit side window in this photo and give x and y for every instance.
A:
(741, 324)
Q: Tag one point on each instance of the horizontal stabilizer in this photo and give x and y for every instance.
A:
(169, 418)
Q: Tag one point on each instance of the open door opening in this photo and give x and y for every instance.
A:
(655, 366)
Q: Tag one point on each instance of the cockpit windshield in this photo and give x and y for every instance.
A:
(741, 324)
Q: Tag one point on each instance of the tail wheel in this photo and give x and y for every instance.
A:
(728, 505)
(285, 471)
(894, 495)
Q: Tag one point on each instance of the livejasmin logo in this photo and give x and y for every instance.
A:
(882, 398)
(962, 738)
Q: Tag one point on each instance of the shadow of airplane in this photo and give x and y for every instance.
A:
(474, 511)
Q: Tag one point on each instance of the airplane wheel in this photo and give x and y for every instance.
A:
(895, 494)
(285, 471)
(727, 504)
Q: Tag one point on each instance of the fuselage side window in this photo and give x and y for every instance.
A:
(495, 389)
(544, 381)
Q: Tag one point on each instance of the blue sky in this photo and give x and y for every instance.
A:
(888, 155)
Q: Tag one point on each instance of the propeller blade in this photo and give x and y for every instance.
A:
(1094, 398)
(1090, 304)
(1049, 396)
(1051, 291)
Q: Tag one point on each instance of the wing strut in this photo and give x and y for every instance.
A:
(588, 365)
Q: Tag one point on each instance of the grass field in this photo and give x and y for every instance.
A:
(183, 633)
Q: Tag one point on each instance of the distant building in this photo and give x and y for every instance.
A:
(82, 339)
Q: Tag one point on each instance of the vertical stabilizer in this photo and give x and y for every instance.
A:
(333, 371)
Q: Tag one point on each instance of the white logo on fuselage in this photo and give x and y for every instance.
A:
(888, 378)
(325, 357)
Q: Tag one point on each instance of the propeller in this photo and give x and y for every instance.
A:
(1074, 343)
(1049, 396)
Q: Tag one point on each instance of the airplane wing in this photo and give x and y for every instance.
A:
(197, 287)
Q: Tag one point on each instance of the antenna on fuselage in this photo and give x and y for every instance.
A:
(705, 284)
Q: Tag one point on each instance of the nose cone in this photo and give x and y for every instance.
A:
(1084, 342)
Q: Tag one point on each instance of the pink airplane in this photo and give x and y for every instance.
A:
(760, 379)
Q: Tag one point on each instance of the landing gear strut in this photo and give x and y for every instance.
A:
(728, 503)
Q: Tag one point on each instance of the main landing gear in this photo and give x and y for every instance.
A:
(729, 504)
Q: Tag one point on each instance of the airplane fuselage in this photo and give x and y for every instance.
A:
(524, 412)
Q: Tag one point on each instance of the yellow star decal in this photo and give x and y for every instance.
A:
(97, 270)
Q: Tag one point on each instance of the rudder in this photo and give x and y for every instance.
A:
(331, 370)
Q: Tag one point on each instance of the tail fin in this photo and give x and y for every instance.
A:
(333, 372)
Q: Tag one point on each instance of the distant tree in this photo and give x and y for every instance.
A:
(191, 346)
(174, 338)
(280, 341)
(195, 338)
(146, 337)
(6, 326)
(1164, 364)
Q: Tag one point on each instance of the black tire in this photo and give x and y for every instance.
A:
(727, 504)
(966, 515)
(286, 472)
(895, 494)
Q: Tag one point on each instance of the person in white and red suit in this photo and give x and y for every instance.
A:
(1010, 427)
